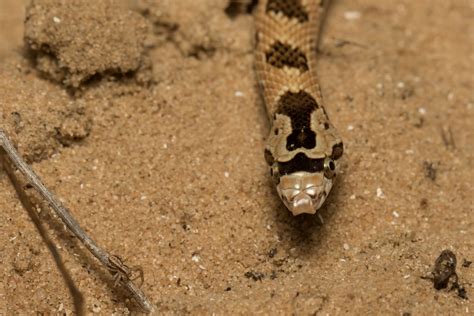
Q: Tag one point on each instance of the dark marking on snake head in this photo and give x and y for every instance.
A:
(269, 157)
(280, 55)
(337, 151)
(298, 107)
(289, 8)
(301, 163)
(301, 138)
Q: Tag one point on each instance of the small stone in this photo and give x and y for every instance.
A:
(196, 258)
(380, 193)
(352, 15)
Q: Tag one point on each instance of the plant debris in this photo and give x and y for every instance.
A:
(444, 274)
(256, 276)
(466, 263)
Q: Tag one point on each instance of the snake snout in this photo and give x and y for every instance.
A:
(302, 202)
(303, 192)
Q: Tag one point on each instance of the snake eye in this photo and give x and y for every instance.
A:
(329, 168)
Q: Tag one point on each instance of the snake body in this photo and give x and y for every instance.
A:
(303, 146)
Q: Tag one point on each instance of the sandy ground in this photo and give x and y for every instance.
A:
(149, 126)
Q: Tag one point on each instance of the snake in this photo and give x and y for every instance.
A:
(303, 147)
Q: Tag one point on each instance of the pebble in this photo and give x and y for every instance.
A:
(380, 193)
(195, 258)
(352, 15)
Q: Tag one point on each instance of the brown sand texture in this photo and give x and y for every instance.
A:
(144, 117)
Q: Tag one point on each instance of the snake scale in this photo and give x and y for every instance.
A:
(303, 146)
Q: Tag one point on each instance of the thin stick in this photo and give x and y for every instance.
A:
(76, 295)
(114, 264)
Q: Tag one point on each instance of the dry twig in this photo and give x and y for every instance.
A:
(120, 272)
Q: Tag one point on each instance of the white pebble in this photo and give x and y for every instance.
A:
(346, 247)
(350, 127)
(195, 258)
(395, 214)
(380, 193)
(226, 174)
(239, 94)
(352, 197)
(422, 111)
(401, 84)
(352, 15)
(56, 19)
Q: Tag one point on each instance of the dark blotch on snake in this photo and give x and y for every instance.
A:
(301, 163)
(237, 7)
(280, 55)
(269, 157)
(337, 151)
(298, 107)
(289, 8)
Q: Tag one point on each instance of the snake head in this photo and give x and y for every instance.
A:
(304, 192)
